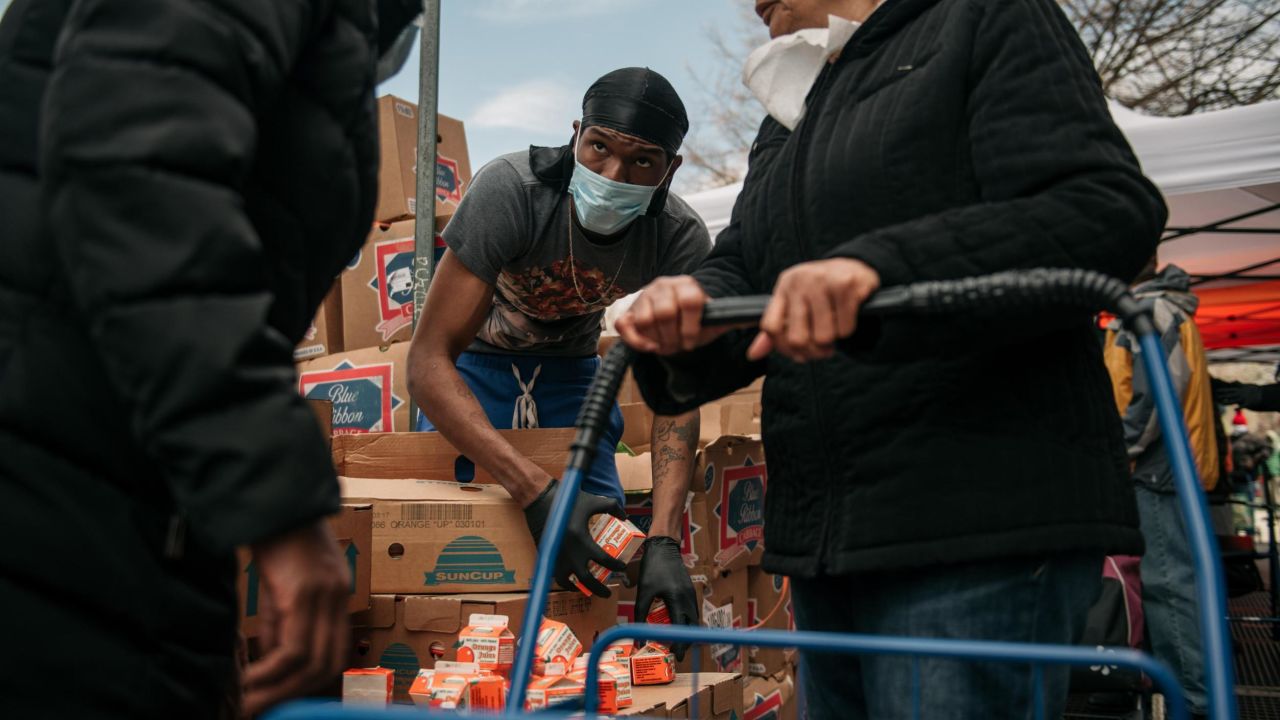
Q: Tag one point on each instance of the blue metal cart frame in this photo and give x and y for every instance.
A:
(1010, 290)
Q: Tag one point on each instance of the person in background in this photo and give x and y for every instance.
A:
(952, 476)
(1168, 571)
(180, 182)
(1260, 398)
(543, 242)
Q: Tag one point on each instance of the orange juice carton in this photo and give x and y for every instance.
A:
(487, 642)
(459, 686)
(557, 644)
(368, 686)
(614, 686)
(618, 538)
(556, 687)
(653, 664)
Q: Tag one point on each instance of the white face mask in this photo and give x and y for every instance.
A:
(780, 72)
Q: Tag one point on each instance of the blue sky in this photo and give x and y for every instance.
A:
(514, 71)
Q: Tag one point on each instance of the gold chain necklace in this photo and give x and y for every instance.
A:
(573, 265)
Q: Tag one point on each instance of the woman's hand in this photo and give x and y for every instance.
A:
(667, 317)
(814, 304)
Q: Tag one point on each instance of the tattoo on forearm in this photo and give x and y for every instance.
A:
(663, 459)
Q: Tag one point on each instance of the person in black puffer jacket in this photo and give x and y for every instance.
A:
(956, 476)
(180, 182)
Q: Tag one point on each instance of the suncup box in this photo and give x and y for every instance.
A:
(439, 536)
(368, 388)
(428, 454)
(377, 285)
(769, 698)
(765, 592)
(410, 632)
(352, 526)
(397, 174)
(732, 474)
(324, 335)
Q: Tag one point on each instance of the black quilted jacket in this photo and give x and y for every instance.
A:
(180, 181)
(951, 138)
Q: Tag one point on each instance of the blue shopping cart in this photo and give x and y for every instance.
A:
(1014, 292)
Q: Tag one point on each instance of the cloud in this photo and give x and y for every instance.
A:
(534, 10)
(540, 106)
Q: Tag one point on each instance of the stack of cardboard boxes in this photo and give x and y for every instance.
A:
(723, 540)
(355, 353)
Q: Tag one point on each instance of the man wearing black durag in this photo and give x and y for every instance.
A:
(543, 242)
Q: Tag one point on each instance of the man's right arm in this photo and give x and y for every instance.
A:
(457, 304)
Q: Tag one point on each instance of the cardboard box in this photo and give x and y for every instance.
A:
(377, 286)
(732, 473)
(723, 598)
(637, 430)
(717, 696)
(618, 538)
(370, 687)
(487, 642)
(324, 337)
(695, 536)
(433, 536)
(410, 632)
(429, 455)
(397, 175)
(368, 388)
(323, 410)
(765, 592)
(769, 698)
(728, 417)
(353, 528)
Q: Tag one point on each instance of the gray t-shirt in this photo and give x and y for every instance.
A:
(512, 231)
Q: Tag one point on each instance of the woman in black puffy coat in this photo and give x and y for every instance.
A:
(955, 477)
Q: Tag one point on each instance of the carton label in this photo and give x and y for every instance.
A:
(361, 396)
(557, 644)
(448, 180)
(404, 109)
(718, 617)
(652, 666)
(393, 282)
(764, 707)
(470, 560)
(742, 506)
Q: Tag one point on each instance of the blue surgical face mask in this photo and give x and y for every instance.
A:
(607, 206)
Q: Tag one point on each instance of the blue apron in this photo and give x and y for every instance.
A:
(531, 391)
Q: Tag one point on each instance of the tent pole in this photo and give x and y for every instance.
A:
(425, 202)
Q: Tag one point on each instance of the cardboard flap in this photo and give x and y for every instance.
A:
(433, 613)
(429, 455)
(728, 418)
(381, 613)
(346, 522)
(635, 472)
(436, 491)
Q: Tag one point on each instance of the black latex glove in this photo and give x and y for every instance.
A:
(578, 547)
(1236, 394)
(663, 575)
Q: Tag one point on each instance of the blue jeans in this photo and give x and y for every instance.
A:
(1169, 602)
(1028, 600)
(549, 388)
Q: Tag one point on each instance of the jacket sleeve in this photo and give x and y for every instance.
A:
(148, 138)
(1141, 426)
(1059, 184)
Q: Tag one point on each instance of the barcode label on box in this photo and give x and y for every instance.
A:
(445, 512)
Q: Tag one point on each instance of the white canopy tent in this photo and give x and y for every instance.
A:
(1220, 173)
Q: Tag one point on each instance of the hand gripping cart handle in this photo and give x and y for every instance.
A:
(1014, 292)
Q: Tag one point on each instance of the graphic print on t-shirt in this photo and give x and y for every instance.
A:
(549, 293)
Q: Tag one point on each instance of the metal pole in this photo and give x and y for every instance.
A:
(424, 231)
